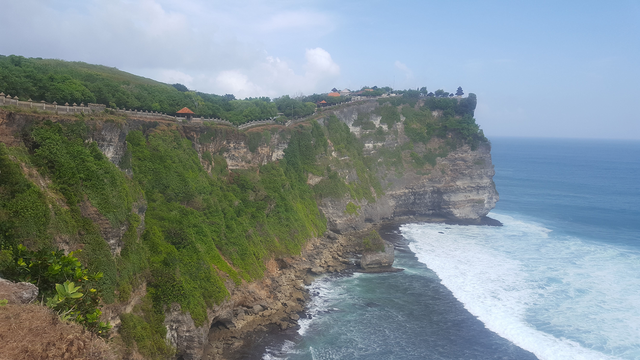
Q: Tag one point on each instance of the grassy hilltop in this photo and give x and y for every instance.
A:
(77, 82)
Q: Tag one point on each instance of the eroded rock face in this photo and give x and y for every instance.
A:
(17, 293)
(182, 333)
(376, 259)
(460, 187)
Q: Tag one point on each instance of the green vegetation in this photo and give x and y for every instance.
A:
(24, 214)
(373, 91)
(77, 82)
(389, 114)
(145, 328)
(193, 218)
(373, 242)
(200, 228)
(352, 209)
(456, 119)
(63, 283)
(295, 108)
(256, 139)
(348, 145)
(81, 169)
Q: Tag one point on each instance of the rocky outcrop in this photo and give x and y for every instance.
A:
(17, 293)
(458, 187)
(378, 259)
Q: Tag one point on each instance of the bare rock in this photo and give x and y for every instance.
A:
(331, 235)
(182, 332)
(17, 293)
(371, 259)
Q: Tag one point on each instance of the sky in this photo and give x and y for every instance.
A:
(539, 68)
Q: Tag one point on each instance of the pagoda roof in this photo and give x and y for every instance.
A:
(185, 110)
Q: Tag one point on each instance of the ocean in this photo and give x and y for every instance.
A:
(559, 280)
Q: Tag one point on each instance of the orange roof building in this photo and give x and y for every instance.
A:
(185, 112)
(334, 94)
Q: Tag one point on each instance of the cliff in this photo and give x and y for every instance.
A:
(205, 233)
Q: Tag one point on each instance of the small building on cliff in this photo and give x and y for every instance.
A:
(186, 113)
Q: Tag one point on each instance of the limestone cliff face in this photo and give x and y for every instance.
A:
(459, 187)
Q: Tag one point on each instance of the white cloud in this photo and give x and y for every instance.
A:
(212, 46)
(237, 83)
(170, 76)
(274, 77)
(298, 21)
(320, 63)
(405, 69)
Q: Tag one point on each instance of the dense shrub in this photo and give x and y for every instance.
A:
(63, 282)
(373, 242)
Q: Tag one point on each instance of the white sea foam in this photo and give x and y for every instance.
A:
(321, 290)
(556, 296)
(285, 350)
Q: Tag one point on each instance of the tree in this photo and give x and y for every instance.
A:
(423, 89)
(180, 87)
(439, 93)
(459, 92)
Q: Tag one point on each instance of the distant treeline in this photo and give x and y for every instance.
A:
(77, 82)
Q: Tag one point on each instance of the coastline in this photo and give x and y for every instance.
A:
(254, 343)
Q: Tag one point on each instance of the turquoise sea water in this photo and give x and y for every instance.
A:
(560, 279)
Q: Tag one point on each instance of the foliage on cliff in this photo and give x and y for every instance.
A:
(365, 185)
(373, 242)
(435, 117)
(200, 229)
(193, 218)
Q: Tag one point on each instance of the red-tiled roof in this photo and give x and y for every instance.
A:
(322, 102)
(334, 94)
(185, 110)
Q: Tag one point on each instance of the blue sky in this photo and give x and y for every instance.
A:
(539, 68)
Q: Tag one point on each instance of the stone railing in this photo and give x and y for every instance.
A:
(55, 107)
(74, 109)
(146, 114)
